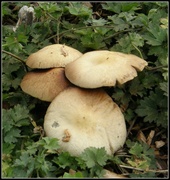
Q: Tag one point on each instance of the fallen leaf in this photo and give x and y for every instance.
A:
(150, 137)
(159, 144)
(110, 174)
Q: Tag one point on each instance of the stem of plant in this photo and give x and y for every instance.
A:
(16, 57)
(139, 169)
(133, 122)
(73, 29)
(137, 50)
(155, 68)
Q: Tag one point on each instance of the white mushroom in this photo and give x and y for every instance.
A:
(82, 118)
(103, 68)
(56, 55)
(45, 84)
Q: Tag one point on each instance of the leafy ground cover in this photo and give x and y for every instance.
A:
(138, 28)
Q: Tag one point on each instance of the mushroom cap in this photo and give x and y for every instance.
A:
(45, 84)
(103, 68)
(82, 118)
(56, 55)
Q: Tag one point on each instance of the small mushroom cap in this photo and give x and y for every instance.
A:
(82, 118)
(56, 55)
(103, 68)
(45, 84)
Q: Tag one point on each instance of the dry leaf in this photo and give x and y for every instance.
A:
(150, 137)
(141, 136)
(159, 144)
(110, 174)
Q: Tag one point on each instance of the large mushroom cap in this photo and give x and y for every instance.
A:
(103, 68)
(82, 118)
(45, 84)
(56, 55)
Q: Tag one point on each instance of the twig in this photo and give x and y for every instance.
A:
(149, 170)
(16, 57)
(137, 50)
(155, 68)
(73, 29)
(58, 30)
(133, 122)
(115, 34)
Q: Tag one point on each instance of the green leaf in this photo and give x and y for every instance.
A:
(65, 160)
(49, 143)
(154, 108)
(98, 22)
(94, 41)
(143, 156)
(93, 156)
(130, 6)
(164, 87)
(20, 113)
(119, 23)
(78, 9)
(137, 149)
(142, 18)
(11, 137)
(75, 175)
(7, 148)
(161, 52)
(5, 9)
(156, 35)
(114, 7)
(7, 121)
(12, 119)
(128, 43)
(24, 166)
(21, 37)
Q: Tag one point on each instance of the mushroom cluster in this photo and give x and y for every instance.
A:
(81, 114)
(47, 79)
